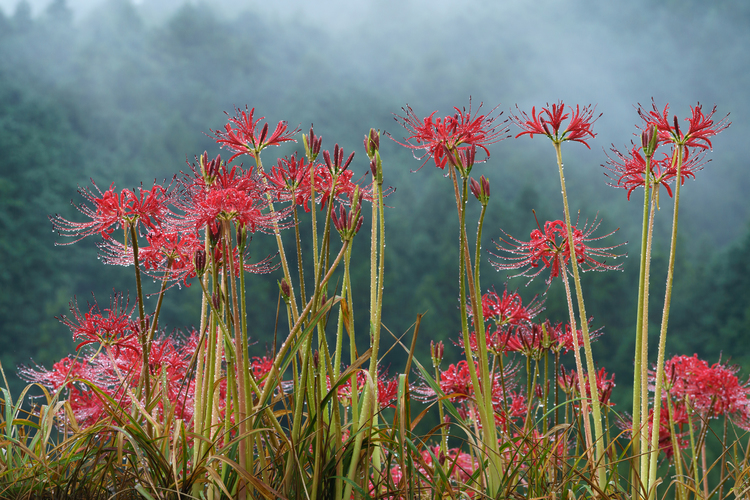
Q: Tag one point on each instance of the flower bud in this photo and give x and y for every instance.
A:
(476, 189)
(437, 350)
(677, 127)
(241, 236)
(286, 291)
(372, 142)
(199, 262)
(263, 135)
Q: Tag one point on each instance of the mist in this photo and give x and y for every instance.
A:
(347, 66)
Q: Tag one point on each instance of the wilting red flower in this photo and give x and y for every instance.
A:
(451, 138)
(241, 136)
(630, 170)
(546, 248)
(111, 210)
(549, 122)
(700, 127)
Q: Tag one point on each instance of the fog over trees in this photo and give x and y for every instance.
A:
(122, 91)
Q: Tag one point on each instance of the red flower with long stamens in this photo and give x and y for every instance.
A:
(545, 248)
(241, 135)
(111, 210)
(699, 131)
(108, 327)
(448, 139)
(629, 171)
(550, 119)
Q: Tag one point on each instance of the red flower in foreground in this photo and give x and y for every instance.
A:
(241, 135)
(109, 327)
(453, 138)
(549, 122)
(699, 131)
(547, 248)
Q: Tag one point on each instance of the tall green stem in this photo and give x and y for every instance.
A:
(638, 360)
(598, 433)
(664, 320)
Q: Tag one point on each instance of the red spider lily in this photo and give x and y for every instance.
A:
(712, 390)
(387, 389)
(111, 210)
(630, 170)
(546, 248)
(508, 309)
(241, 135)
(169, 360)
(108, 327)
(453, 137)
(568, 383)
(168, 254)
(700, 127)
(578, 128)
(561, 336)
(289, 180)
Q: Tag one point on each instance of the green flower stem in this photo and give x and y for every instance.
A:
(644, 327)
(144, 386)
(636, 443)
(664, 320)
(598, 434)
(274, 371)
(300, 267)
(279, 242)
(239, 384)
(489, 431)
(579, 366)
(679, 485)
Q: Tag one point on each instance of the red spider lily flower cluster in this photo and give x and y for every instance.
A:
(117, 377)
(711, 391)
(241, 134)
(568, 382)
(546, 248)
(110, 210)
(699, 131)
(454, 138)
(387, 389)
(112, 326)
(629, 170)
(550, 119)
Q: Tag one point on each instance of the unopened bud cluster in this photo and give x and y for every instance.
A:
(348, 224)
(480, 189)
(312, 145)
(336, 165)
(372, 146)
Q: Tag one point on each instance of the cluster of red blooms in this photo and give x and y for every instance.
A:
(549, 248)
(628, 170)
(162, 230)
(699, 391)
(453, 139)
(387, 389)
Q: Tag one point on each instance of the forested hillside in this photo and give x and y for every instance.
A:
(119, 96)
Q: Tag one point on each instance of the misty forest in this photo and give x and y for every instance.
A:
(119, 94)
